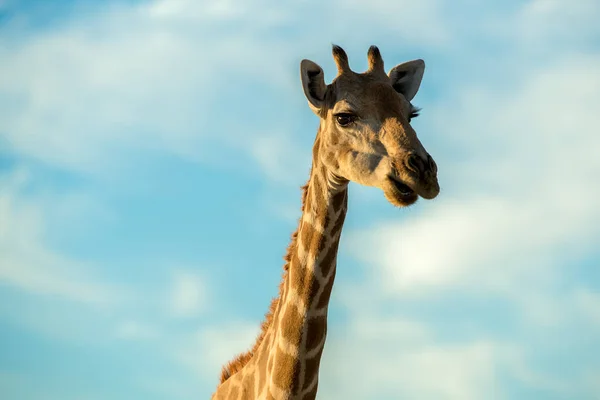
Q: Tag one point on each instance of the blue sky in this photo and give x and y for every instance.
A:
(151, 154)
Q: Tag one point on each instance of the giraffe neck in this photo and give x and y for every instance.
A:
(284, 363)
(299, 327)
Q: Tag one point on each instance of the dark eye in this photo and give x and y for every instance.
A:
(345, 119)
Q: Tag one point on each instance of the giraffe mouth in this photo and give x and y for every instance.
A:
(402, 188)
(399, 193)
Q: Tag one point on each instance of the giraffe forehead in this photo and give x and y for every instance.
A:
(369, 97)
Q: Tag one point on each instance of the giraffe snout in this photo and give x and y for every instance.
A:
(421, 166)
(422, 171)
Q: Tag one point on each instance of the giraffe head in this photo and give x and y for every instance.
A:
(365, 134)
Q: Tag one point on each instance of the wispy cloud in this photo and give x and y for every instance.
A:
(128, 79)
(511, 100)
(148, 78)
(208, 349)
(557, 21)
(415, 23)
(188, 295)
(516, 220)
(280, 159)
(396, 357)
(504, 219)
(29, 263)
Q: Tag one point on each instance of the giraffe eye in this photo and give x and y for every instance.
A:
(345, 119)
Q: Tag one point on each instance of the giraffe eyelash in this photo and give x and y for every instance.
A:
(414, 113)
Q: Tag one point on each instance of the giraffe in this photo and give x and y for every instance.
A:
(364, 136)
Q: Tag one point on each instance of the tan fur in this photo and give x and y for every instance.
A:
(238, 362)
(377, 147)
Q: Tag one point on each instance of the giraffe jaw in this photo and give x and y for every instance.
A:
(399, 193)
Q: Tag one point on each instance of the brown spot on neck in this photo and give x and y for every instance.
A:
(325, 201)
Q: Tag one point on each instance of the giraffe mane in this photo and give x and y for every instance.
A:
(235, 365)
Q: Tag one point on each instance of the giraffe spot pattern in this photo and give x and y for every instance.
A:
(316, 331)
(286, 362)
(289, 323)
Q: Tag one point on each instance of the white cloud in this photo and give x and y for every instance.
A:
(516, 217)
(396, 357)
(188, 294)
(223, 11)
(279, 158)
(127, 79)
(207, 350)
(136, 79)
(519, 203)
(560, 21)
(518, 213)
(29, 264)
(521, 209)
(415, 23)
(392, 349)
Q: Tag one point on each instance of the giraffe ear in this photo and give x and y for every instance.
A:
(313, 83)
(406, 77)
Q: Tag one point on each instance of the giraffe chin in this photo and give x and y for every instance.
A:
(399, 194)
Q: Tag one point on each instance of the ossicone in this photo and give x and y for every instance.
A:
(375, 60)
(341, 59)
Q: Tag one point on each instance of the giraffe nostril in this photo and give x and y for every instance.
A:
(414, 162)
(432, 164)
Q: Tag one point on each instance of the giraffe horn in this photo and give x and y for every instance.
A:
(341, 59)
(375, 60)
